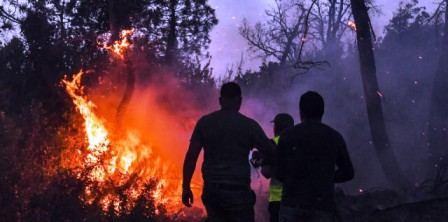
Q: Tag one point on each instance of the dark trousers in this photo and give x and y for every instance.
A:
(228, 204)
(297, 214)
(274, 209)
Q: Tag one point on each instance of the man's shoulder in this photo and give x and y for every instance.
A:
(322, 127)
(331, 130)
(220, 115)
(247, 119)
(211, 116)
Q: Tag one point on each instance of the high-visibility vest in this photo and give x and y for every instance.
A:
(275, 186)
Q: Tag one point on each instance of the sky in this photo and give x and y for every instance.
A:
(227, 46)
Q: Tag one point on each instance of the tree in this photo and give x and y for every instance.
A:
(281, 36)
(438, 120)
(180, 28)
(373, 96)
(329, 23)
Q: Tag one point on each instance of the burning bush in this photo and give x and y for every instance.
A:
(60, 202)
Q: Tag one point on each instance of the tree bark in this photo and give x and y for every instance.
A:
(373, 96)
(438, 119)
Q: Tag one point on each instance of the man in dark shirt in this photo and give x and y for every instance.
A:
(227, 137)
(312, 157)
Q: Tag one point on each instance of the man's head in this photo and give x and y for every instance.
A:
(282, 121)
(311, 106)
(230, 96)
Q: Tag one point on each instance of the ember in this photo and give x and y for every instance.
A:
(352, 25)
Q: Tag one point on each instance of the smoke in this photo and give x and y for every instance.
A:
(405, 75)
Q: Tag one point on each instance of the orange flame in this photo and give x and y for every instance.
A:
(121, 163)
(119, 160)
(119, 47)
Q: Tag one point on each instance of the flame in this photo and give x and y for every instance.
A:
(121, 46)
(119, 160)
(352, 25)
(117, 164)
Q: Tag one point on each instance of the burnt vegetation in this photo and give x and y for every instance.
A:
(395, 117)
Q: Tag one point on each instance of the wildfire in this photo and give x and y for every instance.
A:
(119, 164)
(352, 25)
(118, 161)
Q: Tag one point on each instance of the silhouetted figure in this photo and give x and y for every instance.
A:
(227, 138)
(282, 122)
(312, 157)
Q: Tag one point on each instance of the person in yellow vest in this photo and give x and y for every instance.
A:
(282, 121)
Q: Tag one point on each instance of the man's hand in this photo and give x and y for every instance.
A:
(189, 164)
(187, 197)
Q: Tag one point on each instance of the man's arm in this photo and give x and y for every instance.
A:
(344, 171)
(190, 164)
(263, 144)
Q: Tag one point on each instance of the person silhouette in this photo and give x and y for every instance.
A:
(282, 122)
(312, 157)
(227, 137)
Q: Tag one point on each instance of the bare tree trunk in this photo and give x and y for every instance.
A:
(438, 120)
(380, 138)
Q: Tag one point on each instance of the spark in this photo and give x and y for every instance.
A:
(352, 25)
(380, 94)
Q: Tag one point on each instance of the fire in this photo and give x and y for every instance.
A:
(118, 161)
(352, 25)
(118, 164)
(119, 47)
